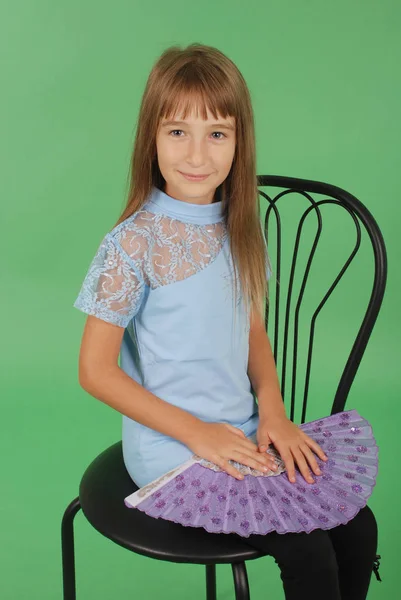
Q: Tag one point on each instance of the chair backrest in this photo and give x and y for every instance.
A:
(301, 189)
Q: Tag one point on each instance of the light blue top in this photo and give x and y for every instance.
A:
(165, 275)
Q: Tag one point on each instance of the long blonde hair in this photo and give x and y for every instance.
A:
(200, 77)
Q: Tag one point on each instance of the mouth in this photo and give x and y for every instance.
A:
(194, 177)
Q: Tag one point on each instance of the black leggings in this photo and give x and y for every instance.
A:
(335, 564)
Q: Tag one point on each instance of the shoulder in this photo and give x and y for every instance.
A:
(132, 236)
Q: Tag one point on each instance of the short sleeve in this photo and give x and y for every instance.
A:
(113, 288)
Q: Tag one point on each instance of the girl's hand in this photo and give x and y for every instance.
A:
(221, 442)
(293, 445)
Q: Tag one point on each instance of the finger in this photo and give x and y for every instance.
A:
(260, 465)
(315, 447)
(302, 465)
(264, 442)
(236, 430)
(263, 457)
(249, 446)
(225, 466)
(311, 459)
(245, 440)
(289, 464)
(230, 469)
(247, 443)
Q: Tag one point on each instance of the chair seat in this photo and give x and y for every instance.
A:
(102, 490)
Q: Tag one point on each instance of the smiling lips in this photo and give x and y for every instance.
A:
(194, 177)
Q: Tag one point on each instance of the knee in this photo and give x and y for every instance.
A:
(309, 554)
(362, 534)
(366, 533)
(367, 526)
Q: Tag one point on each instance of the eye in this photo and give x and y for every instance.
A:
(218, 132)
(174, 130)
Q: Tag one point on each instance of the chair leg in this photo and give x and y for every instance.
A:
(211, 582)
(67, 549)
(241, 584)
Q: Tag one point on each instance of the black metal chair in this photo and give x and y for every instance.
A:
(106, 482)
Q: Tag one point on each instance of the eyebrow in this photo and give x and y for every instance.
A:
(219, 125)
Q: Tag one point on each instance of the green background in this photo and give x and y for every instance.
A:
(326, 95)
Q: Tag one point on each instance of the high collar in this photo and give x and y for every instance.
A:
(189, 212)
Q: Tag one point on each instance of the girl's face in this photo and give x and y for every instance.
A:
(195, 147)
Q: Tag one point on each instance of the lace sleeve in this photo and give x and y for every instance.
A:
(112, 289)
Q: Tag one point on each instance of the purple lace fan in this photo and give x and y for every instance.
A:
(199, 494)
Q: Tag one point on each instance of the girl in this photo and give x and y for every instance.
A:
(163, 292)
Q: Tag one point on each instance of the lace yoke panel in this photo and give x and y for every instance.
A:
(166, 250)
(147, 249)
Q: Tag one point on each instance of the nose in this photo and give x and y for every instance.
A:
(197, 152)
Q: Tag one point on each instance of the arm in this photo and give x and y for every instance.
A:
(292, 443)
(262, 371)
(100, 376)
